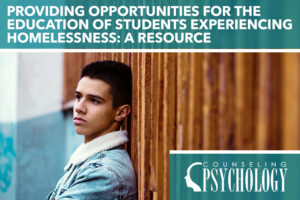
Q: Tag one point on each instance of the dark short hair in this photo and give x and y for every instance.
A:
(116, 74)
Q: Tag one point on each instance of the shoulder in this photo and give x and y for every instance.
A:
(112, 168)
(114, 158)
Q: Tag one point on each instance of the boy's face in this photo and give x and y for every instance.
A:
(93, 111)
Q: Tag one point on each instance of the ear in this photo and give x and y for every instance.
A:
(122, 112)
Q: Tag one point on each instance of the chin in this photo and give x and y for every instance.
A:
(80, 131)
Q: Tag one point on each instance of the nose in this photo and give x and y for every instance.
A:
(80, 107)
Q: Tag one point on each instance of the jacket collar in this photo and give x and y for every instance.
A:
(102, 143)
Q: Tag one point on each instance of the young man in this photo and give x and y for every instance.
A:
(100, 168)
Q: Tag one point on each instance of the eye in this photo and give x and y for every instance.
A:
(95, 101)
(77, 97)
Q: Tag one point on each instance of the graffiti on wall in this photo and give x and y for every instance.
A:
(7, 157)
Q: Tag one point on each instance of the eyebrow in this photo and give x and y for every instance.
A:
(92, 96)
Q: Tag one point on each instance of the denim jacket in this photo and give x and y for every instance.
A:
(98, 170)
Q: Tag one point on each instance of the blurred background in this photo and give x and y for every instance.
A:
(181, 101)
(36, 136)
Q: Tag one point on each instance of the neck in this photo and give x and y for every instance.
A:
(88, 138)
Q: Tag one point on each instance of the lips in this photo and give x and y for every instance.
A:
(78, 121)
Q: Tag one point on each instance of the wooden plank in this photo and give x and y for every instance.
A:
(89, 57)
(73, 63)
(269, 104)
(140, 122)
(134, 117)
(195, 108)
(264, 104)
(210, 101)
(275, 134)
(226, 101)
(290, 98)
(108, 56)
(118, 57)
(245, 100)
(169, 117)
(125, 58)
(183, 137)
(146, 128)
(160, 154)
(100, 56)
(154, 121)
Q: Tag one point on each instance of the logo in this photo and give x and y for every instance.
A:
(188, 179)
(237, 176)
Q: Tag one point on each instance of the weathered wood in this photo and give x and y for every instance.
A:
(226, 102)
(155, 57)
(264, 101)
(134, 115)
(210, 101)
(290, 98)
(90, 57)
(160, 128)
(183, 137)
(169, 118)
(195, 104)
(245, 100)
(146, 128)
(73, 63)
(274, 138)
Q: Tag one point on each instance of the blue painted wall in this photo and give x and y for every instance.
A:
(33, 154)
(8, 158)
(36, 137)
(40, 148)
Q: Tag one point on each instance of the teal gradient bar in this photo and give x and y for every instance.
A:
(220, 39)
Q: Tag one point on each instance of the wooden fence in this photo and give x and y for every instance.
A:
(209, 101)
